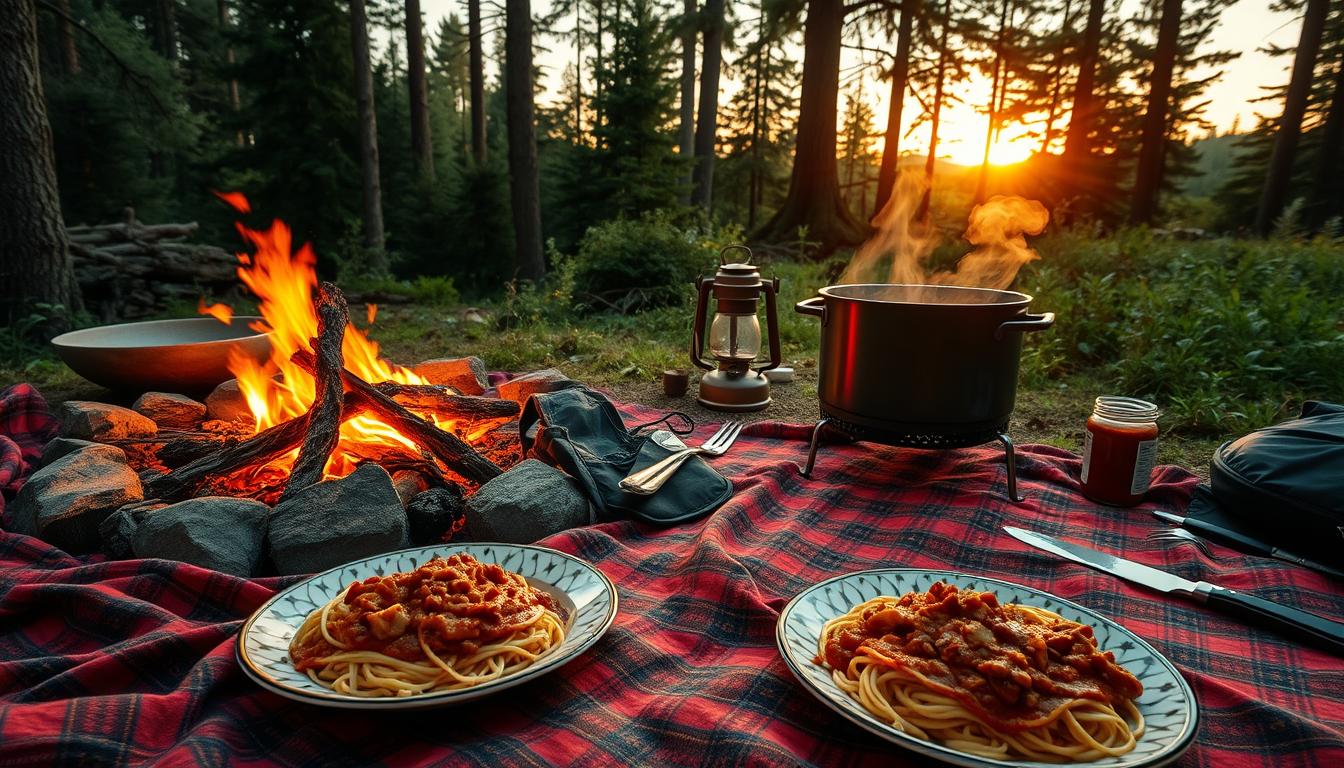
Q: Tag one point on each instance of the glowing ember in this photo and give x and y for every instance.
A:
(284, 282)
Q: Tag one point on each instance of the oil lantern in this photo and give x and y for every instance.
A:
(732, 382)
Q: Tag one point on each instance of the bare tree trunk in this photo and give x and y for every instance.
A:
(166, 21)
(814, 187)
(578, 72)
(1077, 142)
(1280, 173)
(598, 71)
(368, 140)
(931, 162)
(476, 65)
(686, 113)
(993, 108)
(757, 124)
(421, 143)
(35, 263)
(1153, 139)
(524, 187)
(900, 74)
(707, 118)
(222, 8)
(66, 31)
(1325, 190)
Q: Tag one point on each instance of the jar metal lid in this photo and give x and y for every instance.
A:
(1126, 409)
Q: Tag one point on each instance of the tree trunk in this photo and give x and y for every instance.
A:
(1077, 142)
(578, 72)
(1325, 190)
(707, 119)
(814, 200)
(1056, 81)
(35, 263)
(66, 31)
(757, 124)
(476, 65)
(1280, 173)
(1153, 139)
(166, 22)
(524, 188)
(368, 140)
(421, 143)
(999, 81)
(931, 162)
(222, 8)
(598, 71)
(900, 73)
(686, 115)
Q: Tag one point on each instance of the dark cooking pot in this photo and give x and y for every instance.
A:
(921, 359)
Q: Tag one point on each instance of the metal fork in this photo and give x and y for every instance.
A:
(1180, 534)
(649, 479)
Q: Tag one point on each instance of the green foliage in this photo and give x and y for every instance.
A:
(435, 291)
(631, 264)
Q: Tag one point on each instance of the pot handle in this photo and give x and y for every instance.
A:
(815, 306)
(1026, 323)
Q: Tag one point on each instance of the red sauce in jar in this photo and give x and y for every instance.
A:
(1120, 451)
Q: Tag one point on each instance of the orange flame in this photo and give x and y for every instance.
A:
(284, 282)
(235, 199)
(221, 312)
(372, 311)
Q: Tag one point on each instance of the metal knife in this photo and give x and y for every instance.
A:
(1317, 630)
(1242, 542)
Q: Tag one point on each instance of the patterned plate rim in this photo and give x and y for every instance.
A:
(341, 701)
(1173, 750)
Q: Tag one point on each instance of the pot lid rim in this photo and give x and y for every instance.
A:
(1010, 298)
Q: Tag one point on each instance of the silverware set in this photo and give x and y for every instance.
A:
(1181, 535)
(648, 480)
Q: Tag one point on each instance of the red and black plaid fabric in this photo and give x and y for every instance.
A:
(133, 661)
(25, 426)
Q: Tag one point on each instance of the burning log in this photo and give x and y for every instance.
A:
(446, 447)
(262, 448)
(324, 417)
(443, 402)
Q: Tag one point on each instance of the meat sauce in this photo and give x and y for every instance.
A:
(458, 604)
(998, 662)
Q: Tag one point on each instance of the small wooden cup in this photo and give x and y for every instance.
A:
(676, 381)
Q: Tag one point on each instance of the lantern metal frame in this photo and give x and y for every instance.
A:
(735, 385)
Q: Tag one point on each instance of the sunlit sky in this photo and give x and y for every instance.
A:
(1245, 27)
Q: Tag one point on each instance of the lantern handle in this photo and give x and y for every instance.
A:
(771, 290)
(735, 247)
(703, 284)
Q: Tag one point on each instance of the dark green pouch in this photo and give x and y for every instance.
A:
(580, 431)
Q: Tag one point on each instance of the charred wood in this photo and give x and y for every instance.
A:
(324, 417)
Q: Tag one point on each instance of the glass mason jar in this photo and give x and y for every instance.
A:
(1119, 450)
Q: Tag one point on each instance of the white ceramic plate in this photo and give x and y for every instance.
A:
(587, 594)
(1167, 703)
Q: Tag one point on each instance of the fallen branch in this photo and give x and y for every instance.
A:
(446, 447)
(443, 402)
(324, 416)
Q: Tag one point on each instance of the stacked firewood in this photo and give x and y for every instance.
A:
(130, 270)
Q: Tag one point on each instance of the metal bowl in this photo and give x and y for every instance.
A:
(189, 356)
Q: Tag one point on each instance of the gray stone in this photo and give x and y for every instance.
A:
(117, 529)
(409, 484)
(227, 403)
(170, 411)
(62, 446)
(529, 502)
(523, 387)
(336, 521)
(221, 533)
(464, 374)
(432, 513)
(88, 420)
(65, 501)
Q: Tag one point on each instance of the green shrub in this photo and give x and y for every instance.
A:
(627, 265)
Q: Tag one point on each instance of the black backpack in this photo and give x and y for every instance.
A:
(1283, 484)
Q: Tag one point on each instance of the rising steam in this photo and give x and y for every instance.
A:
(897, 252)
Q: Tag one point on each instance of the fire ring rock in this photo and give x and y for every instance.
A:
(64, 502)
(522, 387)
(336, 521)
(170, 411)
(62, 446)
(529, 502)
(464, 374)
(88, 420)
(217, 532)
(227, 403)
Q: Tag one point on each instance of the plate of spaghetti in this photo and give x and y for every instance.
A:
(980, 672)
(428, 626)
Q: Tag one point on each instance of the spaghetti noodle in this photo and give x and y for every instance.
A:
(996, 681)
(452, 623)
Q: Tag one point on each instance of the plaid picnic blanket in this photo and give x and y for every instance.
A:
(132, 661)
